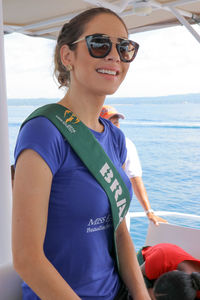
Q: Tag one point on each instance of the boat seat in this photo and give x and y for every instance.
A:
(10, 283)
(184, 237)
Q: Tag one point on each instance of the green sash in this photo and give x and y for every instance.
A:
(92, 155)
(149, 283)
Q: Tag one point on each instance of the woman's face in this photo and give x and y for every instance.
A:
(89, 73)
(115, 121)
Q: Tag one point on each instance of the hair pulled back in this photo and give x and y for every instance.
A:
(69, 33)
(177, 285)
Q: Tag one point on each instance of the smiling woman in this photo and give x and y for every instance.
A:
(93, 40)
(59, 247)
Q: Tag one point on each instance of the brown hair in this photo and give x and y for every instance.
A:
(69, 33)
(177, 285)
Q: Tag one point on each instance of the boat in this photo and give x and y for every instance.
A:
(31, 18)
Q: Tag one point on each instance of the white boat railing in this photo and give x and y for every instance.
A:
(164, 213)
(135, 215)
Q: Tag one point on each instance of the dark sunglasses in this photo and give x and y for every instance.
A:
(100, 45)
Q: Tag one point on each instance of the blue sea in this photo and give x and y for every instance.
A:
(166, 132)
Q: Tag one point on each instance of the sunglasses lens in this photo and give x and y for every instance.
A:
(99, 47)
(127, 50)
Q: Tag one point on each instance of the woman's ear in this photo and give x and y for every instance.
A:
(65, 55)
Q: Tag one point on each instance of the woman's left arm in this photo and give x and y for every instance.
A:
(129, 267)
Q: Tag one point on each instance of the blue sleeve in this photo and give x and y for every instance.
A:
(40, 135)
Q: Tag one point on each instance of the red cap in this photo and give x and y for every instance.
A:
(109, 111)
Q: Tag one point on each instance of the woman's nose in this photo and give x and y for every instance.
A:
(113, 55)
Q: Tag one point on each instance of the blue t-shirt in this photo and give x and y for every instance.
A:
(79, 236)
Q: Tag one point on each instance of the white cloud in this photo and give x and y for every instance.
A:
(168, 62)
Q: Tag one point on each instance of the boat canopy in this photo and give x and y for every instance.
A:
(45, 18)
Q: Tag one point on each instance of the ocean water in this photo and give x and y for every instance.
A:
(166, 132)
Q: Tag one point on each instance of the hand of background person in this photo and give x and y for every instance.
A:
(155, 219)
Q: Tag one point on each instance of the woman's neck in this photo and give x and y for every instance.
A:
(86, 107)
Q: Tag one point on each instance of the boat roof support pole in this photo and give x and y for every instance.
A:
(185, 23)
(118, 8)
(5, 173)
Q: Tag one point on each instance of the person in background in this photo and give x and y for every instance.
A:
(170, 273)
(62, 230)
(132, 166)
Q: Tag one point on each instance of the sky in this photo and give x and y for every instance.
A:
(168, 63)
